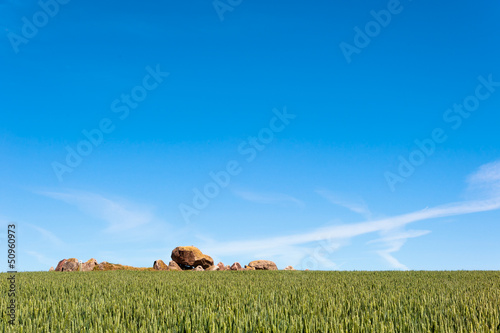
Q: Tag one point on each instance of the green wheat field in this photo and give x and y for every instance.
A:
(255, 301)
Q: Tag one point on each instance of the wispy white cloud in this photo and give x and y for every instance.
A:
(268, 198)
(486, 180)
(118, 214)
(357, 229)
(356, 206)
(389, 227)
(42, 259)
(393, 241)
(400, 236)
(47, 235)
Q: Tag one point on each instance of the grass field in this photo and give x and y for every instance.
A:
(255, 301)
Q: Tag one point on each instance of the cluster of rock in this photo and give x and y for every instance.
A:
(183, 258)
(191, 258)
(73, 265)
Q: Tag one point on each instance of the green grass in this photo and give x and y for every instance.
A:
(255, 301)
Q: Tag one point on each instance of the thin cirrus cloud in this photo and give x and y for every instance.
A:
(393, 241)
(486, 180)
(47, 235)
(358, 206)
(268, 198)
(487, 176)
(119, 216)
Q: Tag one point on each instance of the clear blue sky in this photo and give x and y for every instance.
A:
(307, 112)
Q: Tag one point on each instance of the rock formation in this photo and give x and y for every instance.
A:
(70, 265)
(267, 265)
(89, 265)
(59, 265)
(159, 265)
(236, 267)
(51, 269)
(188, 257)
(172, 265)
(183, 258)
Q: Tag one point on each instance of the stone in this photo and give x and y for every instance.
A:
(212, 268)
(248, 268)
(228, 268)
(289, 268)
(199, 268)
(105, 266)
(159, 265)
(266, 265)
(71, 265)
(89, 265)
(51, 269)
(188, 257)
(221, 266)
(59, 265)
(172, 265)
(236, 267)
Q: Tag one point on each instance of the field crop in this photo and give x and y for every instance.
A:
(255, 301)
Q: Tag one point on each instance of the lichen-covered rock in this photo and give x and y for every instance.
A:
(267, 265)
(190, 256)
(89, 265)
(248, 268)
(60, 264)
(71, 265)
(172, 265)
(159, 265)
(236, 267)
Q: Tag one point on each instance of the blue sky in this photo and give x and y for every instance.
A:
(344, 136)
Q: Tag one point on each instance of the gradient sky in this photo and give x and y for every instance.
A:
(330, 186)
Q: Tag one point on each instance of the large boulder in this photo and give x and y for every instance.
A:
(188, 257)
(236, 267)
(89, 265)
(60, 264)
(71, 265)
(221, 267)
(51, 269)
(172, 265)
(199, 269)
(159, 265)
(266, 265)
